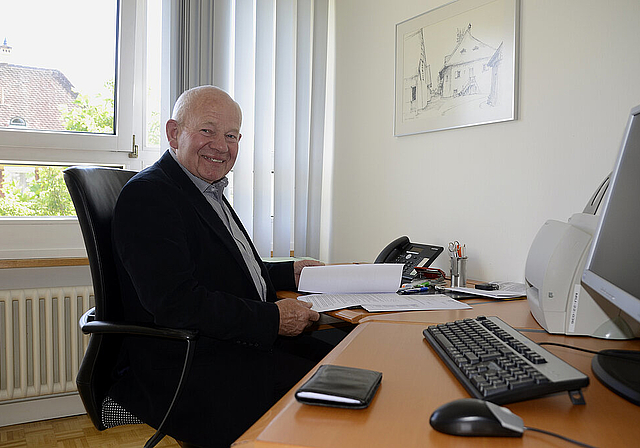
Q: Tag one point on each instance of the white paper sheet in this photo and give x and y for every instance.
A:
(508, 290)
(351, 278)
(383, 302)
(430, 302)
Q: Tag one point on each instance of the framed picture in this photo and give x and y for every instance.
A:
(456, 66)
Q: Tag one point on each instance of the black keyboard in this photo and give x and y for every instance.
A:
(494, 362)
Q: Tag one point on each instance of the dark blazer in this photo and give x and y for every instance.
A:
(179, 267)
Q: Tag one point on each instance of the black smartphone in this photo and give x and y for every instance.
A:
(488, 286)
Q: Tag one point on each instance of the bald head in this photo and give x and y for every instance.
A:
(193, 97)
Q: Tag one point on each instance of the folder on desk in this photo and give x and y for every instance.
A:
(340, 386)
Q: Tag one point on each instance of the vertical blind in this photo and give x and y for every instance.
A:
(271, 56)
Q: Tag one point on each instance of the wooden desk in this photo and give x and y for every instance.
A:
(415, 382)
(516, 312)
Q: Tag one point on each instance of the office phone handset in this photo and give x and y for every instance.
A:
(410, 254)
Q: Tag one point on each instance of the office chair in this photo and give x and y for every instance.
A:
(94, 191)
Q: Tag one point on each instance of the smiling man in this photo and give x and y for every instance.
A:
(185, 261)
(205, 131)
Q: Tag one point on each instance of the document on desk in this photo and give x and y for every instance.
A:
(375, 303)
(507, 290)
(351, 278)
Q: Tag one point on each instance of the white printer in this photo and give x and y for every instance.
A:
(553, 272)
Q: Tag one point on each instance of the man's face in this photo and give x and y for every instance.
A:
(206, 143)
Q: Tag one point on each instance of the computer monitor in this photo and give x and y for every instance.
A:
(613, 264)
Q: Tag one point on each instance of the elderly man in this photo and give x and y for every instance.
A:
(186, 261)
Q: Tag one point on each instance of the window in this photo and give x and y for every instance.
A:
(17, 121)
(65, 101)
(64, 81)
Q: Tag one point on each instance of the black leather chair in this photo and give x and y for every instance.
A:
(94, 191)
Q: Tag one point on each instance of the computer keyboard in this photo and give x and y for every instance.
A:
(494, 362)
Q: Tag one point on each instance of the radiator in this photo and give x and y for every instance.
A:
(41, 345)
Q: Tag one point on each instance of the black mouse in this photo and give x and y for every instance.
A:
(473, 417)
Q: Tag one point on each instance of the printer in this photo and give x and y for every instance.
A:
(557, 299)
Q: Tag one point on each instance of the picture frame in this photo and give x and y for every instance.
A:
(456, 66)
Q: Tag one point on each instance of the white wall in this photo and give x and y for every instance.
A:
(492, 186)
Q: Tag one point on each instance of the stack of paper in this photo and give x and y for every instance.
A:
(351, 278)
(375, 303)
(371, 286)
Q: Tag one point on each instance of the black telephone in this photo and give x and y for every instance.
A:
(410, 254)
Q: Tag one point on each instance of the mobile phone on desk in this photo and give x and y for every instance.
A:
(487, 286)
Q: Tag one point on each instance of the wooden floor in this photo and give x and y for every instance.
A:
(77, 432)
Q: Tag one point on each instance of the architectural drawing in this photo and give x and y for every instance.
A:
(469, 76)
(456, 66)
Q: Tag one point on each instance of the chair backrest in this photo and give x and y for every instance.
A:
(94, 192)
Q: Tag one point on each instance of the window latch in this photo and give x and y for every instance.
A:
(134, 149)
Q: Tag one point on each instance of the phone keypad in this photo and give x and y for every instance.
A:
(410, 260)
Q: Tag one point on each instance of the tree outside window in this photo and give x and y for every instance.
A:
(34, 191)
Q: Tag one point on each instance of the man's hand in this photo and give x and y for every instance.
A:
(295, 316)
(298, 265)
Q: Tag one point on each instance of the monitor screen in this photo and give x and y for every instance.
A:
(614, 261)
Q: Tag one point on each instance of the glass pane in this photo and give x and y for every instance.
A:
(154, 69)
(28, 190)
(57, 65)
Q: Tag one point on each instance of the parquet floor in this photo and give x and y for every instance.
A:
(77, 432)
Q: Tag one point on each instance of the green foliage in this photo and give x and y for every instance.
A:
(14, 202)
(86, 117)
(46, 195)
(153, 136)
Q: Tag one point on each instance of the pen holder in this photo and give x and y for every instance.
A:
(458, 271)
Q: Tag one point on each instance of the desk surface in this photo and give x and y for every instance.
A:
(415, 383)
(516, 312)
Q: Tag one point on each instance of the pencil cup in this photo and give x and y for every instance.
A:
(458, 271)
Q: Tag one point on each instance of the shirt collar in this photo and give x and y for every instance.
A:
(217, 187)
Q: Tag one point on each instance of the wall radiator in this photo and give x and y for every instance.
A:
(41, 345)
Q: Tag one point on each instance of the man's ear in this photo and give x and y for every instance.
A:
(172, 133)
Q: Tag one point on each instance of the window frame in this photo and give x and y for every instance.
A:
(34, 141)
(31, 237)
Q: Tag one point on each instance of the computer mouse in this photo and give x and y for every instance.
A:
(474, 417)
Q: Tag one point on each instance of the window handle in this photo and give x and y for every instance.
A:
(134, 149)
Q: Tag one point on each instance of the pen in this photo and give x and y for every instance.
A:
(414, 290)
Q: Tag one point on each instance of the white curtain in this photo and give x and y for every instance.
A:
(271, 56)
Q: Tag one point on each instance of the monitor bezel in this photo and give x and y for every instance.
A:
(620, 298)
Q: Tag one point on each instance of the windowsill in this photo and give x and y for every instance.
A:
(35, 220)
(43, 262)
(40, 237)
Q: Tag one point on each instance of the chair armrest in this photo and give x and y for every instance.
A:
(89, 325)
(88, 316)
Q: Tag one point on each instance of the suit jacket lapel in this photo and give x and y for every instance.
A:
(204, 209)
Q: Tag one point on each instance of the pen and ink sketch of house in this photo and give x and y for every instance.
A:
(456, 66)
(469, 77)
